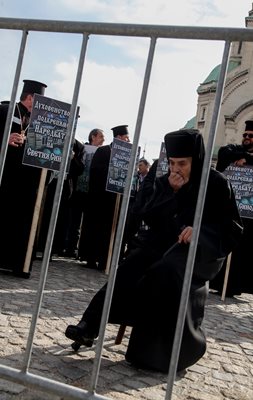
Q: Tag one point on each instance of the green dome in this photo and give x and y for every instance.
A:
(191, 123)
(215, 73)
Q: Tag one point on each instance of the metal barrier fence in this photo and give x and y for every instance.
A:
(154, 32)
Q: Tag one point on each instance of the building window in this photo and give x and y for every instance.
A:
(203, 113)
(239, 48)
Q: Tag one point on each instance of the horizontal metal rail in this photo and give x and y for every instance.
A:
(141, 30)
(41, 383)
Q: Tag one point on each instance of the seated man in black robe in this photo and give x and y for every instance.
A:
(149, 280)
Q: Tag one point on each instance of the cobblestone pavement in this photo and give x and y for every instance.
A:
(224, 373)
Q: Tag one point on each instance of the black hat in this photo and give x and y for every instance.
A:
(248, 125)
(120, 130)
(187, 143)
(180, 143)
(32, 87)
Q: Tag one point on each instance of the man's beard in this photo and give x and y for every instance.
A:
(248, 147)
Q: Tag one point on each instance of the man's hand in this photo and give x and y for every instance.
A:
(16, 139)
(176, 181)
(186, 235)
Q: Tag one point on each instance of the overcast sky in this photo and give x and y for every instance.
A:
(114, 67)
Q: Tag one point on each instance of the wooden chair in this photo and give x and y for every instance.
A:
(224, 289)
(120, 334)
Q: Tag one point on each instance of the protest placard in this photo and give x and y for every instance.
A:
(162, 164)
(118, 167)
(46, 133)
(241, 179)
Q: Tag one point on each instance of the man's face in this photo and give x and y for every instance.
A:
(28, 102)
(247, 140)
(181, 166)
(125, 138)
(99, 139)
(143, 168)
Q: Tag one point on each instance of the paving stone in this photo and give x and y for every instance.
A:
(234, 369)
(223, 376)
(199, 395)
(238, 393)
(12, 388)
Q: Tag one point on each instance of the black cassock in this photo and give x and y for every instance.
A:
(95, 239)
(148, 283)
(18, 193)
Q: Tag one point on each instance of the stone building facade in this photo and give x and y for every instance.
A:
(237, 103)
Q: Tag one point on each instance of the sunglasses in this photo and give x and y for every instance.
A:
(250, 135)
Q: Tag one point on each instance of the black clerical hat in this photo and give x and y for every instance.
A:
(120, 130)
(249, 125)
(32, 87)
(180, 143)
(187, 143)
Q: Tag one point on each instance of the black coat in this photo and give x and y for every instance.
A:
(101, 207)
(230, 153)
(18, 193)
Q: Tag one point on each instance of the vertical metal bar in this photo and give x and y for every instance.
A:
(55, 209)
(122, 218)
(196, 226)
(12, 104)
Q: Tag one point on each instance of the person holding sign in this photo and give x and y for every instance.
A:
(101, 205)
(78, 200)
(19, 184)
(240, 278)
(149, 280)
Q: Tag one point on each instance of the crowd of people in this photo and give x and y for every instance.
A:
(83, 227)
(158, 231)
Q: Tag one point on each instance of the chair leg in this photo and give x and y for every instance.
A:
(120, 334)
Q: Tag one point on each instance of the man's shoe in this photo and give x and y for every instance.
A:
(79, 334)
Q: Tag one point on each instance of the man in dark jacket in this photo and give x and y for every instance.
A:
(240, 279)
(78, 201)
(19, 184)
(149, 280)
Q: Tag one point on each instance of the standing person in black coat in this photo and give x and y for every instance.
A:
(149, 280)
(240, 279)
(19, 184)
(101, 204)
(78, 201)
